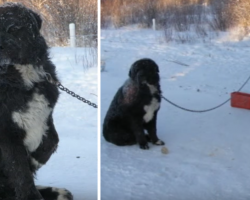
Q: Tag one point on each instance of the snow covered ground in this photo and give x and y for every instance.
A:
(74, 165)
(208, 153)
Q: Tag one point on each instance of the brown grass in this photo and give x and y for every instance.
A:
(58, 14)
(178, 15)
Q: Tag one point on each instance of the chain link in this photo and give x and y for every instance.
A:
(61, 87)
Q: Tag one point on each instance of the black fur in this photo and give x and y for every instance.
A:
(125, 121)
(24, 61)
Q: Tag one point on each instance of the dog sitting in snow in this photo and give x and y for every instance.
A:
(27, 133)
(134, 107)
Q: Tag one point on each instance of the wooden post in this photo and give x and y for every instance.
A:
(72, 34)
(153, 24)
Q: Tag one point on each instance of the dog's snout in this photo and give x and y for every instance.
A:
(140, 77)
(3, 69)
(153, 78)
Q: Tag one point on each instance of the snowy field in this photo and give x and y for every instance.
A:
(208, 153)
(74, 165)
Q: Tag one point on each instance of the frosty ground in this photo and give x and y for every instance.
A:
(74, 165)
(208, 153)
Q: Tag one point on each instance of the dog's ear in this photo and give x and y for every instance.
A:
(37, 18)
(156, 68)
(136, 75)
(133, 71)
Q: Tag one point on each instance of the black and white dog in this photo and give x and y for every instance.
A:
(134, 107)
(27, 133)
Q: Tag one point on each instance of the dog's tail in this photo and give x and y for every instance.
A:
(52, 193)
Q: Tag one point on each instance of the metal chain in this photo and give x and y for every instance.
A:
(197, 111)
(206, 110)
(61, 87)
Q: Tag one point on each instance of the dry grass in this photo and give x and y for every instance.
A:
(58, 14)
(173, 16)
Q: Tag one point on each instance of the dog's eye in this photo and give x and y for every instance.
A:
(13, 29)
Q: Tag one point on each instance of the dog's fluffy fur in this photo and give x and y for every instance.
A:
(27, 133)
(134, 107)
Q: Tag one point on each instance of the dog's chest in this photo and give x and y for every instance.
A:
(152, 106)
(33, 120)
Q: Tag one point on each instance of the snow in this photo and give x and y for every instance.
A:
(208, 153)
(74, 165)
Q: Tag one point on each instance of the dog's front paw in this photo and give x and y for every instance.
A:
(55, 193)
(144, 146)
(159, 142)
(63, 194)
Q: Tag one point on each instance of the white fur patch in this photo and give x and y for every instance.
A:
(30, 74)
(33, 121)
(62, 193)
(36, 163)
(152, 88)
(150, 109)
(153, 106)
(159, 142)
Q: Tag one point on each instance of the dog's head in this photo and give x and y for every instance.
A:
(21, 45)
(145, 71)
(20, 40)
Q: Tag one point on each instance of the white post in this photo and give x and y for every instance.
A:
(72, 34)
(153, 24)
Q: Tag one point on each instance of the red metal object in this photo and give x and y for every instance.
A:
(240, 100)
